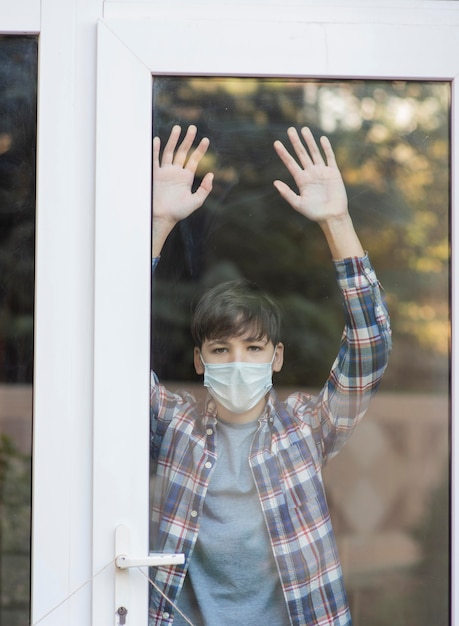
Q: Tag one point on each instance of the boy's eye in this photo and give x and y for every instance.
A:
(219, 350)
(255, 348)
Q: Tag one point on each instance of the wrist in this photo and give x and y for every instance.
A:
(334, 223)
(161, 228)
(341, 237)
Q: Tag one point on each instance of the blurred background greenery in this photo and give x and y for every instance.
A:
(18, 76)
(18, 136)
(392, 145)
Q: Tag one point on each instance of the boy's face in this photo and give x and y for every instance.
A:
(242, 349)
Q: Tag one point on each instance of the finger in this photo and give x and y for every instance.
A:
(168, 152)
(313, 148)
(328, 151)
(197, 154)
(156, 150)
(287, 193)
(286, 158)
(299, 148)
(182, 150)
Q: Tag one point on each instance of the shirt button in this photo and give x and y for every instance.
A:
(166, 615)
(208, 465)
(209, 431)
(194, 513)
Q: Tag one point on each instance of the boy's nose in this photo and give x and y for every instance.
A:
(238, 356)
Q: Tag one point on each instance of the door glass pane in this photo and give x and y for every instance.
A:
(18, 87)
(388, 489)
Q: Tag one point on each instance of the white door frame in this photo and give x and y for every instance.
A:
(64, 307)
(136, 40)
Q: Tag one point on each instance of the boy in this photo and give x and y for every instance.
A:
(238, 484)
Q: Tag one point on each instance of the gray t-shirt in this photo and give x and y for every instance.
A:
(232, 577)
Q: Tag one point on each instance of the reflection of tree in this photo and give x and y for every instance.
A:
(392, 142)
(15, 487)
(18, 86)
(18, 76)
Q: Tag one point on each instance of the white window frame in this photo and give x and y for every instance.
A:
(135, 41)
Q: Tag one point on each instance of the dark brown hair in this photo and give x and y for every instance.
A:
(234, 308)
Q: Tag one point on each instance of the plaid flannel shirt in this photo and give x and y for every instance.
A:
(293, 441)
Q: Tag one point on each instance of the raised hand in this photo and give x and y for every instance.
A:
(173, 177)
(321, 193)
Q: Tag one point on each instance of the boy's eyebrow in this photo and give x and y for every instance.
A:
(263, 339)
(212, 342)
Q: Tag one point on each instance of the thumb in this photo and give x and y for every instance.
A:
(204, 188)
(288, 194)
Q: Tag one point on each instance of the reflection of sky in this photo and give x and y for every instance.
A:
(340, 108)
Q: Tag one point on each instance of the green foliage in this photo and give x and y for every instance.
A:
(15, 515)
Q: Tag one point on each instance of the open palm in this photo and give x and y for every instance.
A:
(321, 192)
(173, 176)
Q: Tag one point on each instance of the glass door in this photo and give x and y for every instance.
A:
(388, 489)
(392, 134)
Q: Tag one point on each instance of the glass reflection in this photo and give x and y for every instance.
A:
(388, 490)
(18, 85)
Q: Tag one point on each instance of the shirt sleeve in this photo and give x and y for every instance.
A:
(362, 359)
(164, 407)
(161, 403)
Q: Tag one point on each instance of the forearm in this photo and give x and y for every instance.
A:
(160, 232)
(342, 238)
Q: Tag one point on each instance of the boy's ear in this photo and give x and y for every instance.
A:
(198, 364)
(278, 357)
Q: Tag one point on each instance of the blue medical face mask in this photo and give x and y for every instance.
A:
(238, 386)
